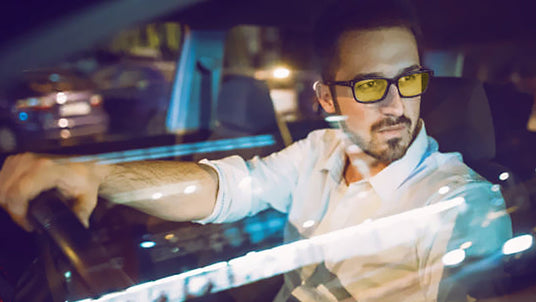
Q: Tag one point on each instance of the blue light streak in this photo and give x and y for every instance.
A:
(179, 150)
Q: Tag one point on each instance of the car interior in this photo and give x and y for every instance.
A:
(215, 111)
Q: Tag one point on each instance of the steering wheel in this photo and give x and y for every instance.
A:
(60, 230)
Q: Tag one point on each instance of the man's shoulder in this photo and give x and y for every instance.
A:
(446, 173)
(451, 165)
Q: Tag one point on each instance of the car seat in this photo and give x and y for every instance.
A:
(457, 114)
(511, 110)
(244, 108)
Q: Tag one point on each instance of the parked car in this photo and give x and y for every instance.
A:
(49, 105)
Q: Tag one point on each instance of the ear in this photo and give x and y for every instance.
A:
(323, 94)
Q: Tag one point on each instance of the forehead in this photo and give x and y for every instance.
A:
(383, 51)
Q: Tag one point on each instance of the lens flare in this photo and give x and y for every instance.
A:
(281, 73)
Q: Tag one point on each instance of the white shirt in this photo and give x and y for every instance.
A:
(394, 261)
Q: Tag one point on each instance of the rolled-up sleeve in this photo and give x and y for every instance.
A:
(248, 187)
(231, 170)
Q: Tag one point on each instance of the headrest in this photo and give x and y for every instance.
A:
(457, 114)
(245, 105)
(510, 109)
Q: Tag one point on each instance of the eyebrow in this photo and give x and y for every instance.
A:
(378, 75)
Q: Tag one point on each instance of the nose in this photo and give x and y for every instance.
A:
(392, 104)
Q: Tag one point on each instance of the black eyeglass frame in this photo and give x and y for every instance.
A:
(390, 81)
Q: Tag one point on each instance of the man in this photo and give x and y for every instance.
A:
(379, 164)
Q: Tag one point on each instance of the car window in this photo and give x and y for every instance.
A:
(450, 219)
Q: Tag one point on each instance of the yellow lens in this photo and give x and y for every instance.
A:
(370, 90)
(413, 84)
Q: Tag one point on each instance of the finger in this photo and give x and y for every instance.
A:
(9, 173)
(23, 223)
(28, 185)
(82, 190)
(13, 169)
(84, 206)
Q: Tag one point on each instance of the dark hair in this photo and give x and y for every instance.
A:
(345, 15)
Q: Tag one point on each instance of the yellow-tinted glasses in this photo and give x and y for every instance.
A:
(374, 89)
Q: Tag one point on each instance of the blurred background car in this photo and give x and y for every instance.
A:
(49, 105)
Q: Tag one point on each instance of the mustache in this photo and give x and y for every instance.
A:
(393, 121)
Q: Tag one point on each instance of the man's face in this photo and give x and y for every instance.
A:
(385, 129)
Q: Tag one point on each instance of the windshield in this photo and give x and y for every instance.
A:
(236, 157)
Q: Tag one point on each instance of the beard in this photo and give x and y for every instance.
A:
(391, 150)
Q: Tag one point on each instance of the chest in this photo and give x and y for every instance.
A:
(322, 203)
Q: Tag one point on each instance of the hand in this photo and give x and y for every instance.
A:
(24, 176)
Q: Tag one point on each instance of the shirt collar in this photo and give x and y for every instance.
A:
(389, 179)
(333, 159)
(393, 176)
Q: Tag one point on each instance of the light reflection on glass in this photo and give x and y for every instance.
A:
(335, 118)
(178, 150)
(495, 215)
(454, 257)
(517, 244)
(245, 269)
(496, 188)
(197, 284)
(147, 244)
(353, 149)
(466, 245)
(153, 193)
(190, 189)
(504, 176)
(245, 183)
(444, 190)
(308, 223)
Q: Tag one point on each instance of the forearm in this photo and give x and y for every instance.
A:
(172, 190)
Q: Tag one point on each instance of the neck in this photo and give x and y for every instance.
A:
(361, 166)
